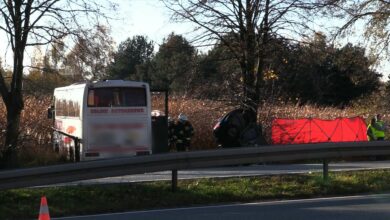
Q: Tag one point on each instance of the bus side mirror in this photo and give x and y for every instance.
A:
(50, 112)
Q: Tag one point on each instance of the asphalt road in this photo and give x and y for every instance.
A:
(340, 208)
(253, 170)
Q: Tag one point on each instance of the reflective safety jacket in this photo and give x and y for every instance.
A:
(379, 129)
(371, 133)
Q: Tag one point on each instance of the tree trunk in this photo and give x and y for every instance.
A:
(251, 95)
(10, 156)
(14, 104)
(262, 54)
(250, 104)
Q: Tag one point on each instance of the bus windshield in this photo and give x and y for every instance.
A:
(117, 97)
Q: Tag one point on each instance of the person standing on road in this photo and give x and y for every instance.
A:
(183, 132)
(371, 130)
(379, 128)
(171, 131)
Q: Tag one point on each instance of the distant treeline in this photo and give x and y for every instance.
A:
(311, 72)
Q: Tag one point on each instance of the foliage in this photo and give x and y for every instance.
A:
(90, 56)
(34, 143)
(46, 72)
(218, 75)
(51, 60)
(174, 64)
(250, 24)
(30, 23)
(311, 72)
(35, 147)
(373, 16)
(204, 114)
(132, 54)
(322, 74)
(42, 84)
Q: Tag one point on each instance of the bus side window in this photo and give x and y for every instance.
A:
(92, 100)
(105, 97)
(117, 98)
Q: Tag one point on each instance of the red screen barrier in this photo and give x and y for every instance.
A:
(312, 130)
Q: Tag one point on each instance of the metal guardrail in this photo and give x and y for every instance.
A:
(187, 160)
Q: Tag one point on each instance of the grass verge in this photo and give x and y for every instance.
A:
(82, 200)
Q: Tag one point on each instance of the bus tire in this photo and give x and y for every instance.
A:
(56, 148)
(71, 154)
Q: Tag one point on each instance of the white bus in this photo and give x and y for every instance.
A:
(110, 118)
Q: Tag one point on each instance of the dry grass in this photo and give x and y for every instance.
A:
(35, 142)
(35, 146)
(204, 114)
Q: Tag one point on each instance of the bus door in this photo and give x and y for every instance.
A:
(118, 122)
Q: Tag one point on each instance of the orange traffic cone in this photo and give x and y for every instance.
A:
(44, 210)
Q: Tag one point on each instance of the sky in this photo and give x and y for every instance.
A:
(145, 17)
(151, 18)
(134, 17)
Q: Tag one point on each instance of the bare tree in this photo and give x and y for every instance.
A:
(251, 23)
(30, 23)
(91, 55)
(371, 17)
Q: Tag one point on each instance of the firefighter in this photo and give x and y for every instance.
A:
(183, 132)
(171, 131)
(371, 130)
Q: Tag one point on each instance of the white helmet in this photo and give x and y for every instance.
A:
(182, 117)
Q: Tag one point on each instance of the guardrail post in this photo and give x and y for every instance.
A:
(325, 169)
(174, 180)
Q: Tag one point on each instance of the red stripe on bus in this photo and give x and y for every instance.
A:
(107, 110)
(118, 149)
(118, 126)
